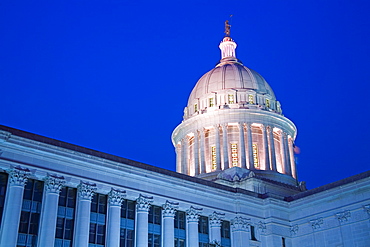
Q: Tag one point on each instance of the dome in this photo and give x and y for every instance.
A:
(230, 75)
(231, 85)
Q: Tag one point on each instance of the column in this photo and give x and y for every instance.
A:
(239, 230)
(243, 162)
(13, 205)
(226, 147)
(283, 152)
(49, 212)
(192, 219)
(250, 147)
(218, 148)
(115, 200)
(142, 210)
(178, 158)
(288, 170)
(196, 153)
(215, 220)
(266, 148)
(292, 160)
(85, 192)
(272, 147)
(184, 155)
(168, 213)
(202, 159)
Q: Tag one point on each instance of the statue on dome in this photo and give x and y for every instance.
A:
(227, 28)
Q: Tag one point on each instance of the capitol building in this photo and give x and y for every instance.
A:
(235, 184)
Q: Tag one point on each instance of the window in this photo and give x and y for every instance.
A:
(203, 225)
(30, 215)
(225, 229)
(155, 214)
(253, 234)
(128, 209)
(255, 155)
(268, 103)
(97, 234)
(154, 240)
(283, 242)
(234, 154)
(126, 238)
(97, 219)
(211, 102)
(250, 99)
(99, 204)
(231, 98)
(180, 220)
(179, 242)
(214, 160)
(196, 108)
(65, 220)
(3, 184)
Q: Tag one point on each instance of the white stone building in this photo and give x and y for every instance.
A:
(236, 182)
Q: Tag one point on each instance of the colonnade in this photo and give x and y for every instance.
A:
(85, 191)
(192, 154)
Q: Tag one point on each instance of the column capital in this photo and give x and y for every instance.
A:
(86, 190)
(240, 224)
(18, 175)
(241, 124)
(343, 216)
(169, 209)
(248, 125)
(215, 219)
(224, 125)
(192, 214)
(269, 128)
(54, 183)
(116, 197)
(143, 203)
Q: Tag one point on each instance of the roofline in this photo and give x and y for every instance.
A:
(114, 158)
(326, 187)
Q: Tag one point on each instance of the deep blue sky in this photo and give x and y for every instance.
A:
(115, 76)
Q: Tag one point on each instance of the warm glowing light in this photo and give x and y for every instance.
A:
(214, 162)
(211, 104)
(255, 155)
(231, 99)
(234, 154)
(250, 99)
(267, 103)
(196, 108)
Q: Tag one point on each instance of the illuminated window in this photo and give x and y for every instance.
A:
(234, 154)
(268, 103)
(255, 156)
(231, 99)
(211, 102)
(213, 153)
(196, 108)
(250, 99)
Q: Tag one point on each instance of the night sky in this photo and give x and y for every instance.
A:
(115, 76)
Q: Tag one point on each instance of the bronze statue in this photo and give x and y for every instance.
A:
(227, 28)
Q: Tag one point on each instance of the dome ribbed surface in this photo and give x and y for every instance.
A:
(230, 76)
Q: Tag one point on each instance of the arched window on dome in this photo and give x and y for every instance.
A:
(211, 102)
(251, 99)
(267, 103)
(195, 108)
(231, 99)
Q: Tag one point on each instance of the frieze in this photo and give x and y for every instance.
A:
(169, 209)
(192, 214)
(240, 224)
(316, 223)
(18, 176)
(86, 190)
(54, 183)
(143, 203)
(215, 219)
(343, 216)
(116, 197)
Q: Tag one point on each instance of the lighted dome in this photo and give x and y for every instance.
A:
(231, 85)
(233, 120)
